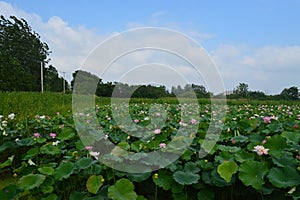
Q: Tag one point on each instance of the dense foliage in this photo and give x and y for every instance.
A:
(21, 55)
(256, 156)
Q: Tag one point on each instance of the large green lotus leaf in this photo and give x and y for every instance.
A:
(163, 180)
(186, 178)
(252, 173)
(66, 134)
(285, 161)
(291, 137)
(284, 177)
(64, 170)
(191, 167)
(31, 153)
(46, 170)
(242, 156)
(123, 189)
(84, 163)
(93, 183)
(276, 144)
(25, 142)
(31, 181)
(48, 189)
(49, 149)
(227, 169)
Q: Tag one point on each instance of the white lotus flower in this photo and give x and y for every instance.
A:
(11, 116)
(30, 162)
(4, 133)
(94, 154)
(55, 143)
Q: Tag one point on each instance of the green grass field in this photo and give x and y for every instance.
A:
(29, 104)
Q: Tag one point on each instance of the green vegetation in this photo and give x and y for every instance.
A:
(256, 156)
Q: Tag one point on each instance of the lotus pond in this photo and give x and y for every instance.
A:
(256, 155)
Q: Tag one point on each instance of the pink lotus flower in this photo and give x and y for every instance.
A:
(267, 120)
(53, 135)
(193, 121)
(162, 145)
(157, 131)
(36, 135)
(136, 121)
(88, 148)
(296, 126)
(260, 150)
(264, 141)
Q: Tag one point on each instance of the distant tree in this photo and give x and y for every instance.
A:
(189, 90)
(52, 81)
(291, 93)
(150, 91)
(200, 91)
(106, 89)
(241, 91)
(21, 52)
(257, 95)
(84, 82)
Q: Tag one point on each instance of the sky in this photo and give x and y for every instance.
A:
(256, 42)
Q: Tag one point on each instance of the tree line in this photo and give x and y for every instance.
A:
(23, 55)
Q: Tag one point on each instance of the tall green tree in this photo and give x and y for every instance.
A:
(242, 90)
(291, 93)
(21, 54)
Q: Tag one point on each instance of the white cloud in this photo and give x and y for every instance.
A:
(268, 68)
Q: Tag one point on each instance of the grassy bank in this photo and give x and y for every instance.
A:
(29, 104)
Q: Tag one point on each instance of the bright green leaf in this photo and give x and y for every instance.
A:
(94, 183)
(31, 153)
(31, 181)
(66, 134)
(64, 170)
(84, 163)
(46, 170)
(227, 169)
(276, 144)
(123, 189)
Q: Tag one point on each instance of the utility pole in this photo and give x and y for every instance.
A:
(64, 82)
(42, 77)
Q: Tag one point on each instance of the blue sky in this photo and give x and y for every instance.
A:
(257, 42)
